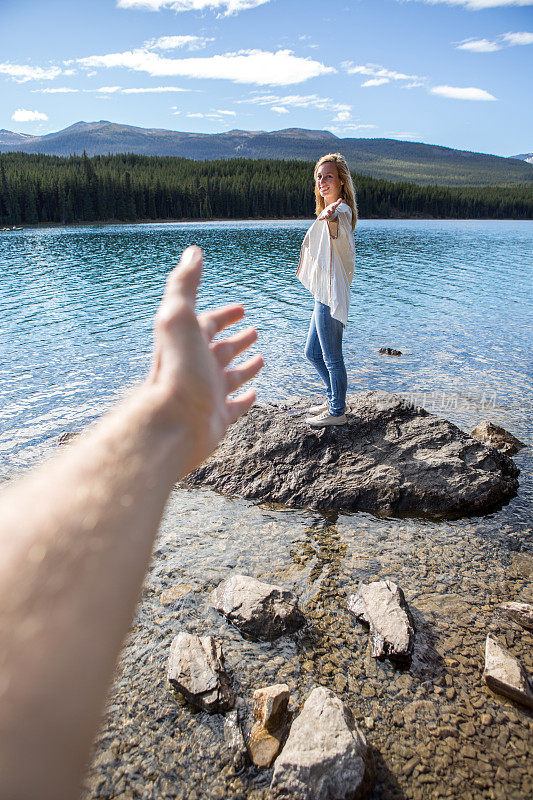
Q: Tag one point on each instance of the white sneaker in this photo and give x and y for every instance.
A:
(319, 409)
(323, 420)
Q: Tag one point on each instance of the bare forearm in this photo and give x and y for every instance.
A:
(76, 540)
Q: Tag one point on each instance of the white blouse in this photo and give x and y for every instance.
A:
(327, 264)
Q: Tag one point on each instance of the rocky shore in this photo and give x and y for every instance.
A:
(281, 653)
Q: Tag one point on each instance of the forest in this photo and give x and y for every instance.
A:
(42, 189)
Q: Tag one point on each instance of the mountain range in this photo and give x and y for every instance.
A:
(390, 159)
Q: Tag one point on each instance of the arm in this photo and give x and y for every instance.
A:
(76, 538)
(331, 216)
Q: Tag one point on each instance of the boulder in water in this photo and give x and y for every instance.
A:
(390, 458)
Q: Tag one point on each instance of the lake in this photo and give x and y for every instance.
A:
(76, 309)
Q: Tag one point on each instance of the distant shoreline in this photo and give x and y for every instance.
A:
(119, 223)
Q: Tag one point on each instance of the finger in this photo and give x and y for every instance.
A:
(240, 405)
(226, 350)
(214, 321)
(184, 279)
(243, 373)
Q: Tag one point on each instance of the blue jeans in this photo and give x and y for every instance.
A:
(324, 350)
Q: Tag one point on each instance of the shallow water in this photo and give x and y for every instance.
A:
(76, 308)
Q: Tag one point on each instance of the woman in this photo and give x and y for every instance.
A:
(326, 268)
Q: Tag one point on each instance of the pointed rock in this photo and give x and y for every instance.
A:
(271, 704)
(519, 612)
(495, 436)
(259, 610)
(505, 674)
(196, 669)
(381, 604)
(326, 757)
(234, 739)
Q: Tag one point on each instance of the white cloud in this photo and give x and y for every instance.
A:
(227, 6)
(298, 101)
(59, 90)
(478, 46)
(376, 82)
(377, 71)
(245, 66)
(136, 90)
(172, 42)
(218, 114)
(522, 37)
(23, 72)
(342, 130)
(280, 109)
(477, 5)
(504, 40)
(25, 115)
(462, 93)
(342, 116)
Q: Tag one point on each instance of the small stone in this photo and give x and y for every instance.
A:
(234, 739)
(486, 719)
(259, 610)
(271, 704)
(519, 612)
(369, 722)
(389, 351)
(381, 604)
(264, 745)
(495, 436)
(174, 593)
(505, 674)
(450, 693)
(196, 669)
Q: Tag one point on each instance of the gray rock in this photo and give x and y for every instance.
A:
(259, 610)
(389, 351)
(505, 674)
(234, 739)
(519, 612)
(495, 436)
(390, 457)
(196, 669)
(326, 756)
(381, 604)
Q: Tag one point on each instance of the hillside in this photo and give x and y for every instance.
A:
(389, 159)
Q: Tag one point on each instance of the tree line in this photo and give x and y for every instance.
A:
(51, 189)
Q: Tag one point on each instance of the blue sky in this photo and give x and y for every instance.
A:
(449, 72)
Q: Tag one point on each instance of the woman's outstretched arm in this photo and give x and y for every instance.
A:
(76, 537)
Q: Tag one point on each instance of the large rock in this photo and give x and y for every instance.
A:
(259, 610)
(389, 458)
(505, 674)
(196, 669)
(326, 756)
(382, 606)
(496, 436)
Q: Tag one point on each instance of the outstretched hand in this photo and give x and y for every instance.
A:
(330, 210)
(191, 372)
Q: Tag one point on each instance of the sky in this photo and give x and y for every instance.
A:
(448, 72)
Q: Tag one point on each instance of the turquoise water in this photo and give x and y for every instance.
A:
(76, 309)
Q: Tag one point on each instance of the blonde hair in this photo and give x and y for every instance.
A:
(347, 189)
